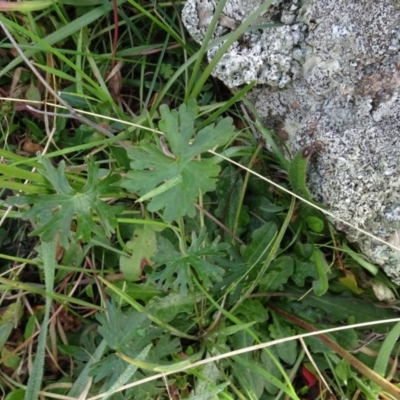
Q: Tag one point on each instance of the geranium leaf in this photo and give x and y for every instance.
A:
(201, 257)
(67, 204)
(173, 176)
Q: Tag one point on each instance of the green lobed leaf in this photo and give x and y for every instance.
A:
(339, 308)
(303, 270)
(261, 240)
(201, 256)
(253, 310)
(81, 382)
(139, 291)
(153, 168)
(168, 307)
(277, 275)
(126, 374)
(68, 204)
(118, 328)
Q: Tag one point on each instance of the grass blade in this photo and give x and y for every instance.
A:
(382, 361)
(83, 379)
(36, 377)
(224, 48)
(62, 33)
(127, 373)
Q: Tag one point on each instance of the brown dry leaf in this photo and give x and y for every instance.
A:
(69, 322)
(16, 82)
(31, 148)
(114, 81)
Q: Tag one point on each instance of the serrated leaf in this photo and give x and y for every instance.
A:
(118, 328)
(174, 177)
(67, 204)
(251, 383)
(207, 389)
(110, 367)
(253, 310)
(302, 271)
(138, 291)
(168, 307)
(202, 257)
(277, 275)
(346, 339)
(126, 374)
(287, 351)
(261, 239)
(341, 308)
(142, 246)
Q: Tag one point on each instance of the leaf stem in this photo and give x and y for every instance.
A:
(244, 187)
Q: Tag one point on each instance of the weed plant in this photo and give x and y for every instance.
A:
(149, 245)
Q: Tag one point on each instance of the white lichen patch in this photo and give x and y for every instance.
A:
(349, 94)
(271, 56)
(331, 73)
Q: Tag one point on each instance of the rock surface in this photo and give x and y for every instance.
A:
(329, 73)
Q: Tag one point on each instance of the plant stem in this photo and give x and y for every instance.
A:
(354, 362)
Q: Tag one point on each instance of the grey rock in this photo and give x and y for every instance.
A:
(329, 73)
(269, 56)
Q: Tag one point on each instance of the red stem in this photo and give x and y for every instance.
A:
(115, 39)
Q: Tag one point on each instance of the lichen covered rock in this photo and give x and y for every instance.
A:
(330, 73)
(271, 56)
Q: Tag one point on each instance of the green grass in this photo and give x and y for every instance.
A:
(150, 247)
